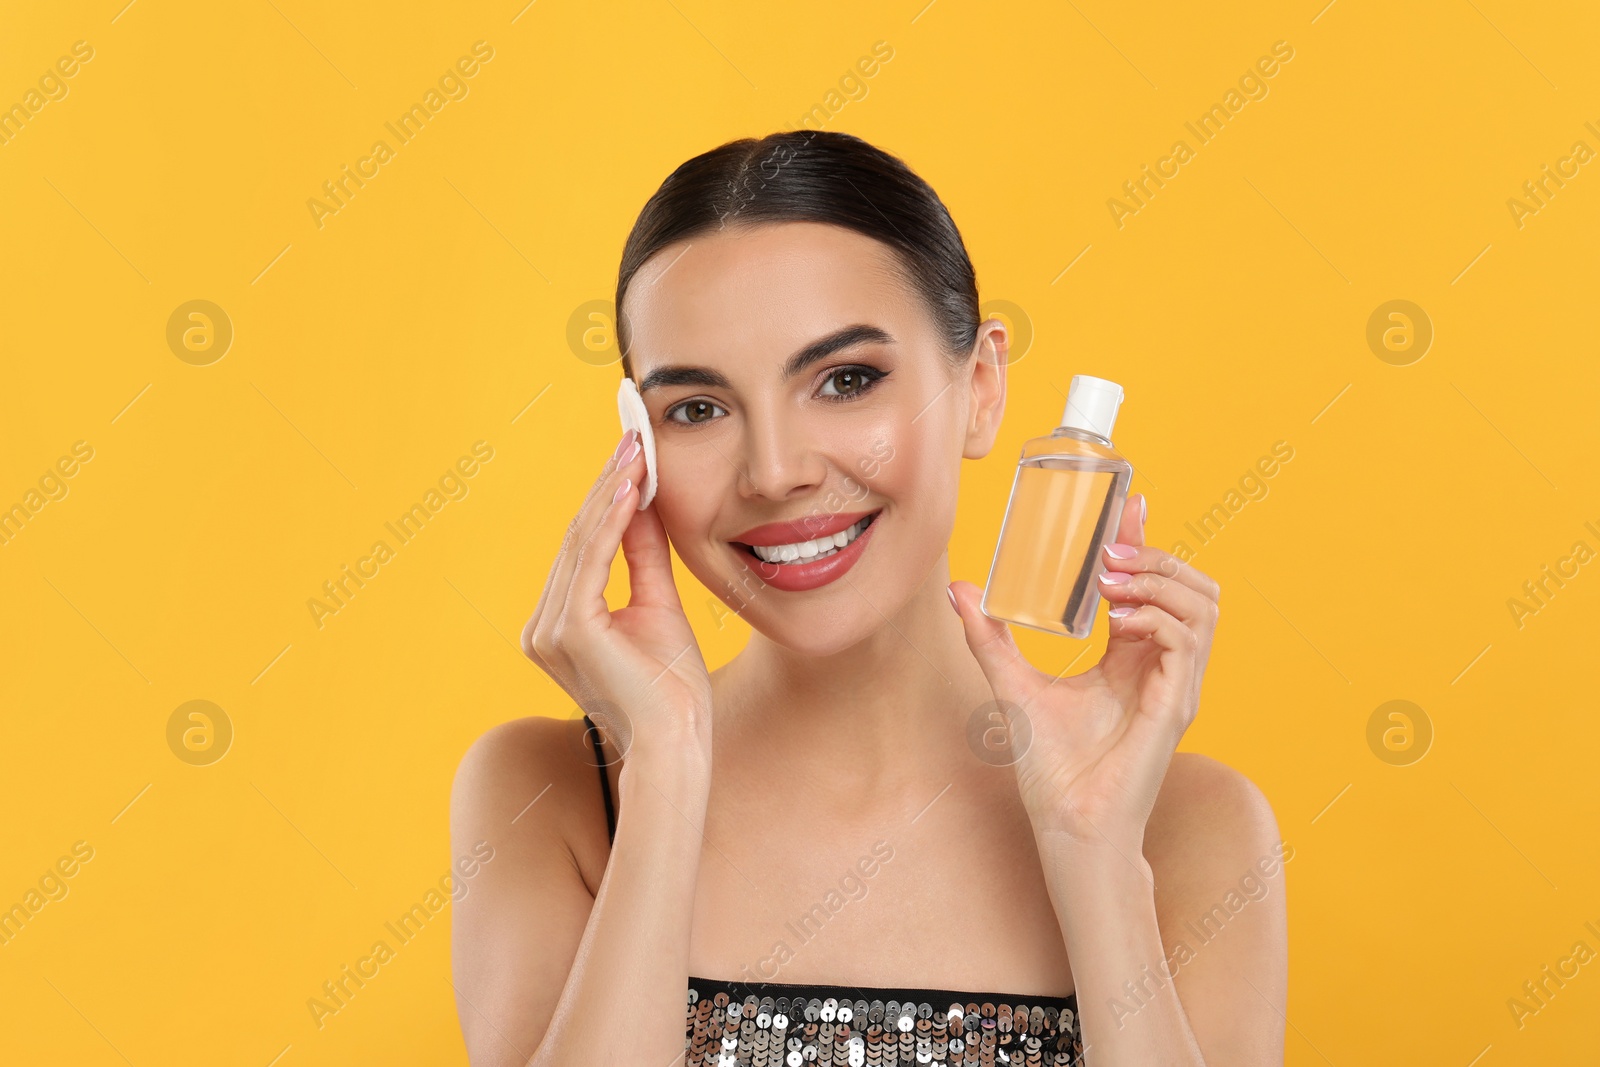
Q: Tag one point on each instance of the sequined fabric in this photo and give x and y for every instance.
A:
(771, 1024)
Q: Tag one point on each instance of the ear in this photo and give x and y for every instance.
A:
(986, 402)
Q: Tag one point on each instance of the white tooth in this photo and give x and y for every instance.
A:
(826, 545)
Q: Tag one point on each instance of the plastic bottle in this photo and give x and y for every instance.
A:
(1065, 504)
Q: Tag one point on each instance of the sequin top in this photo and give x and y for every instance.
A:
(768, 1024)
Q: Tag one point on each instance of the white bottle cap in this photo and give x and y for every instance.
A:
(1092, 404)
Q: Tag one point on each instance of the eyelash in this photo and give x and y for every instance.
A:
(873, 377)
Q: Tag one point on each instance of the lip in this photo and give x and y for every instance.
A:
(806, 529)
(799, 577)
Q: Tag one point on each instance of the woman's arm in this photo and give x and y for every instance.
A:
(1197, 912)
(545, 974)
(1093, 754)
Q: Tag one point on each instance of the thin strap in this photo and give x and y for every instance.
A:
(605, 783)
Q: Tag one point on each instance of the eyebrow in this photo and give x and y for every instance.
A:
(822, 348)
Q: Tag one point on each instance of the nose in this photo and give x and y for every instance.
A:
(779, 458)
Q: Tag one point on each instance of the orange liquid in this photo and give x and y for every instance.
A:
(1063, 509)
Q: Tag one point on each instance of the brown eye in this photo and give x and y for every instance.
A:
(698, 412)
(851, 382)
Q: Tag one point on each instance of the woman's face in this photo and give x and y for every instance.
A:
(793, 377)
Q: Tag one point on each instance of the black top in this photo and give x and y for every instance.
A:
(605, 783)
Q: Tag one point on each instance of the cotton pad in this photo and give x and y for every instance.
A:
(635, 416)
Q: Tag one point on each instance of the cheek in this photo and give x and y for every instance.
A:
(692, 480)
(899, 458)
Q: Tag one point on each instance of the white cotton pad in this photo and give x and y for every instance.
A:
(635, 416)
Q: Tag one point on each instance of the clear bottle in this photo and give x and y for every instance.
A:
(1065, 505)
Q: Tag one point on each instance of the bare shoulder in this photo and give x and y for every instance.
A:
(526, 782)
(1210, 826)
(1218, 864)
(504, 757)
(524, 801)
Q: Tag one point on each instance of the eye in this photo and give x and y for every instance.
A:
(852, 381)
(697, 410)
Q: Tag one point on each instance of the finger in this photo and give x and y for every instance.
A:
(649, 557)
(586, 597)
(1189, 606)
(1131, 558)
(1130, 528)
(1170, 686)
(594, 504)
(1010, 675)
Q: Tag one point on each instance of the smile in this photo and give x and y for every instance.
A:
(820, 548)
(797, 563)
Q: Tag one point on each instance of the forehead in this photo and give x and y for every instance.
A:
(766, 289)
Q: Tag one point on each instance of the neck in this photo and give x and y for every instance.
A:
(880, 715)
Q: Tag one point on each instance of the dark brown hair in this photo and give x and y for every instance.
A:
(815, 176)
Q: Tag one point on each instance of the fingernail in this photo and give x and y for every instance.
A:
(1126, 609)
(953, 605)
(1115, 577)
(633, 450)
(1116, 550)
(626, 437)
(1144, 508)
(622, 490)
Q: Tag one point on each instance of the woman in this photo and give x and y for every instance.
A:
(807, 833)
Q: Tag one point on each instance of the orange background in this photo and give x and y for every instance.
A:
(435, 309)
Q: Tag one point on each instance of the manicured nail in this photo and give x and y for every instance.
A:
(633, 450)
(1116, 550)
(953, 605)
(1115, 577)
(626, 437)
(1144, 508)
(622, 490)
(1126, 609)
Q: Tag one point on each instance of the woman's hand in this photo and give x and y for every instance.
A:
(637, 671)
(1091, 750)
